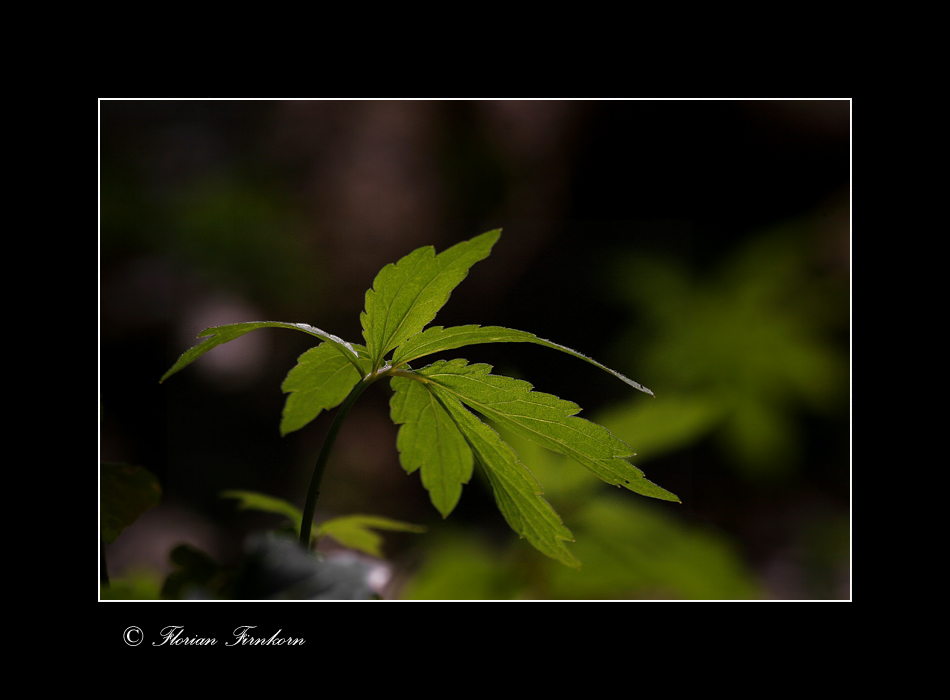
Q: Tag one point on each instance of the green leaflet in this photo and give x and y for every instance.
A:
(356, 531)
(407, 295)
(543, 418)
(251, 500)
(437, 339)
(320, 381)
(517, 492)
(353, 531)
(223, 334)
(429, 439)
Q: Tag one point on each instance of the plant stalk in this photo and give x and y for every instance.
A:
(310, 506)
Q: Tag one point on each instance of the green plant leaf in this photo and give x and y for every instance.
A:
(219, 335)
(542, 418)
(516, 491)
(321, 380)
(252, 500)
(356, 531)
(407, 295)
(429, 439)
(352, 531)
(125, 493)
(438, 434)
(437, 339)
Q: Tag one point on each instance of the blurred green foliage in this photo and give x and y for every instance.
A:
(125, 493)
(356, 532)
(740, 352)
(629, 549)
(239, 233)
(140, 584)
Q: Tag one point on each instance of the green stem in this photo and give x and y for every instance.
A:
(311, 505)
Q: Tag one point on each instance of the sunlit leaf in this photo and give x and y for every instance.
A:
(429, 439)
(219, 335)
(320, 381)
(437, 339)
(544, 419)
(517, 492)
(407, 295)
(441, 436)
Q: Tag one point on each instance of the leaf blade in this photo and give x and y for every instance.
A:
(357, 531)
(428, 440)
(252, 500)
(218, 335)
(352, 531)
(321, 380)
(437, 339)
(544, 419)
(517, 493)
(408, 294)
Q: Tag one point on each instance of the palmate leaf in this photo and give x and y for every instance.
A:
(517, 493)
(407, 295)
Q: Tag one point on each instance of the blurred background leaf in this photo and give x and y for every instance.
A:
(628, 548)
(357, 532)
(125, 493)
(743, 351)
